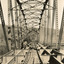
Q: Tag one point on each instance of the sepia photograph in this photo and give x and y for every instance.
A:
(31, 31)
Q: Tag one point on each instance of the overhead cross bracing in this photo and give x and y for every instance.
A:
(32, 11)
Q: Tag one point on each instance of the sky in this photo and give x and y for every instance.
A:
(5, 10)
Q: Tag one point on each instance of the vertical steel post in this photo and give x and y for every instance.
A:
(3, 26)
(8, 12)
(53, 17)
(61, 31)
(9, 27)
(45, 28)
(48, 24)
(16, 19)
(56, 15)
(13, 28)
(20, 28)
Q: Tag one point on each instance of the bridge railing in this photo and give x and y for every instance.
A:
(9, 58)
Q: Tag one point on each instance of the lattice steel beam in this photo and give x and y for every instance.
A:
(61, 31)
(16, 19)
(13, 29)
(56, 15)
(52, 28)
(3, 26)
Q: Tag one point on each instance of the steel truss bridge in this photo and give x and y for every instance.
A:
(30, 36)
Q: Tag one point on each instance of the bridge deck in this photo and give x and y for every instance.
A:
(30, 56)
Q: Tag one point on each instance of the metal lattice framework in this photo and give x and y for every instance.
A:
(31, 16)
(32, 11)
